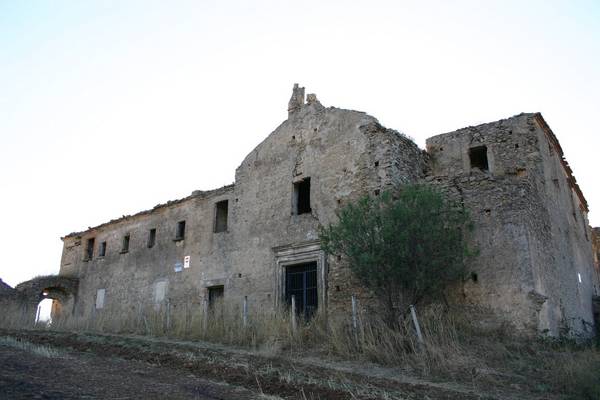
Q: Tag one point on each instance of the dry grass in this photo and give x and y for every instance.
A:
(43, 351)
(454, 348)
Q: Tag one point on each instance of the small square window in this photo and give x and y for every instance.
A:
(478, 158)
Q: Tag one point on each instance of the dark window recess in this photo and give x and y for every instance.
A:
(221, 214)
(478, 157)
(151, 237)
(125, 247)
(89, 251)
(180, 234)
(474, 277)
(215, 295)
(301, 282)
(102, 251)
(302, 197)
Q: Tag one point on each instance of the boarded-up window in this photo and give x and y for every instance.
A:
(160, 291)
(100, 294)
(221, 215)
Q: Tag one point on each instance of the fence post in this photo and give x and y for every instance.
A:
(413, 314)
(354, 320)
(37, 315)
(168, 314)
(245, 311)
(294, 322)
(204, 314)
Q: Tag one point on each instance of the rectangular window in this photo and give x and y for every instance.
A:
(125, 247)
(100, 294)
(102, 251)
(478, 157)
(301, 200)
(221, 214)
(180, 233)
(151, 238)
(89, 251)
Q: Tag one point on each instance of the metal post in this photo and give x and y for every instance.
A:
(413, 314)
(294, 322)
(245, 311)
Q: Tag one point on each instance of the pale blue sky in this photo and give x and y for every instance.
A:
(110, 107)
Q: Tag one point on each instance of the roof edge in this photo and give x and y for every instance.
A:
(199, 194)
(565, 164)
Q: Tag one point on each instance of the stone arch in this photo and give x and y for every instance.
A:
(61, 289)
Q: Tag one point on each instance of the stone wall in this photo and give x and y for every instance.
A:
(596, 254)
(534, 265)
(344, 153)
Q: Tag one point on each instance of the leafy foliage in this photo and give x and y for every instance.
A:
(402, 247)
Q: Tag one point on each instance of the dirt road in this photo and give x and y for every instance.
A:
(101, 366)
(26, 375)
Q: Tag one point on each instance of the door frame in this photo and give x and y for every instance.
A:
(301, 253)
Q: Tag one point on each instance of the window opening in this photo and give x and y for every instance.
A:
(302, 197)
(221, 215)
(478, 157)
(180, 235)
(125, 247)
(151, 237)
(102, 251)
(301, 282)
(89, 252)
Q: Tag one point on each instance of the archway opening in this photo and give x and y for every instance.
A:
(52, 301)
(43, 313)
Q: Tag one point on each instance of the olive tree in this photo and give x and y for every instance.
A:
(403, 247)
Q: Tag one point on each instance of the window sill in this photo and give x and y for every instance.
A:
(178, 239)
(124, 252)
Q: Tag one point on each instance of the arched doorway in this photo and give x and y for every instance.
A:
(52, 304)
(54, 292)
(43, 314)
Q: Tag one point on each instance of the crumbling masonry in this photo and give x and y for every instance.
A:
(258, 238)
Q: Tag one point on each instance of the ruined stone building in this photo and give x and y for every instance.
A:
(258, 238)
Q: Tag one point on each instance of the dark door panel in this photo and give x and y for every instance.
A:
(301, 282)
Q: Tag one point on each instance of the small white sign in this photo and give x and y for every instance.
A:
(186, 262)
